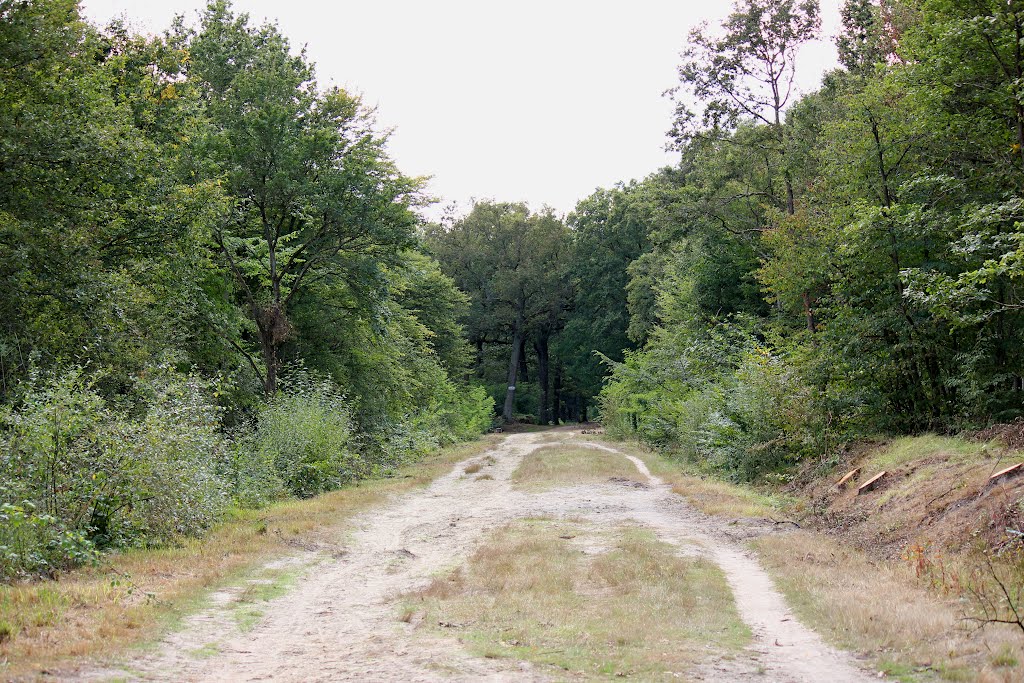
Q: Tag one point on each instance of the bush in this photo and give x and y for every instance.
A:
(34, 544)
(172, 456)
(726, 400)
(80, 476)
(459, 413)
(306, 431)
(249, 472)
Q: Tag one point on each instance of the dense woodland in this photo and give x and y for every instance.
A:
(220, 290)
(215, 292)
(815, 269)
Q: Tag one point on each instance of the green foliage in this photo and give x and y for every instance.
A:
(315, 203)
(307, 432)
(179, 216)
(34, 544)
(723, 399)
(79, 474)
(513, 264)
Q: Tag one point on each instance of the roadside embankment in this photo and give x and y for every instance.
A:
(906, 571)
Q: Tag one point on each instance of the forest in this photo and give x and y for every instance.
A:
(220, 290)
(816, 269)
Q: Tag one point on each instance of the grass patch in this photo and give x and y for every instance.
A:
(565, 465)
(132, 597)
(878, 608)
(268, 585)
(611, 603)
(206, 651)
(708, 494)
(909, 449)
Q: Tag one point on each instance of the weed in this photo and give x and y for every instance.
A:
(1005, 657)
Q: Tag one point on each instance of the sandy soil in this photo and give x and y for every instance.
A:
(340, 621)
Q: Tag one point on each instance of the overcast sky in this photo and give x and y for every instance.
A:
(537, 100)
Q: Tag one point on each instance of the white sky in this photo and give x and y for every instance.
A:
(537, 101)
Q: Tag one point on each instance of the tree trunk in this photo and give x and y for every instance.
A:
(524, 371)
(541, 347)
(812, 326)
(269, 349)
(480, 357)
(513, 367)
(556, 395)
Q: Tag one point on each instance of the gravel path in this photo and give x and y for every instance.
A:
(340, 620)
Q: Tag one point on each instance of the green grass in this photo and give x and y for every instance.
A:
(262, 588)
(908, 449)
(206, 651)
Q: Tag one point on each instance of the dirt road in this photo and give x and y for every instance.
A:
(340, 620)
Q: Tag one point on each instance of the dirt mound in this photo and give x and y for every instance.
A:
(942, 499)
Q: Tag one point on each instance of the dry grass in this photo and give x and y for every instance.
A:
(878, 608)
(592, 603)
(936, 494)
(709, 495)
(566, 464)
(132, 597)
(554, 436)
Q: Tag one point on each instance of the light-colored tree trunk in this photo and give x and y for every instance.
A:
(513, 362)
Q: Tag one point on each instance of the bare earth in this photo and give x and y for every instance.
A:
(340, 621)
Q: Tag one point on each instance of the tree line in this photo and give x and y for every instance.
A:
(816, 268)
(839, 264)
(215, 286)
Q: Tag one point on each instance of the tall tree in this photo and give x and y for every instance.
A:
(310, 192)
(748, 74)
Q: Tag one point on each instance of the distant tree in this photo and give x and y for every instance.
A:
(609, 232)
(512, 264)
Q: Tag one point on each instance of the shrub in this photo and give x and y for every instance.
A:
(79, 476)
(174, 452)
(249, 472)
(306, 431)
(33, 544)
(726, 399)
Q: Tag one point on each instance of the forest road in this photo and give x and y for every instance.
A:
(341, 620)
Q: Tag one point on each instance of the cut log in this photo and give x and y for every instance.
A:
(1011, 471)
(870, 483)
(847, 477)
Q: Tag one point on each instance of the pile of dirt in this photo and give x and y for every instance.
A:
(944, 503)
